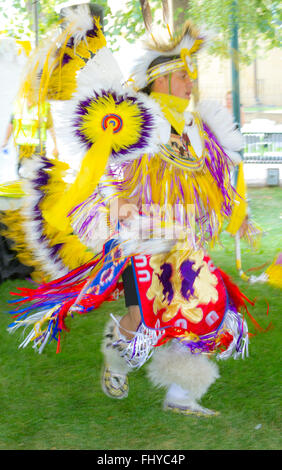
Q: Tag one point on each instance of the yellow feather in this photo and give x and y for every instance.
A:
(240, 207)
(72, 252)
(126, 111)
(274, 273)
(12, 189)
(92, 168)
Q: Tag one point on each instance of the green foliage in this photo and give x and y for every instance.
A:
(128, 22)
(20, 17)
(15, 19)
(257, 20)
(47, 15)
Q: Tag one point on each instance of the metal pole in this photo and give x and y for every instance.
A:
(235, 65)
(236, 114)
(35, 19)
(35, 8)
(235, 74)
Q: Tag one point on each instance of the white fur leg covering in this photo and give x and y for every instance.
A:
(112, 351)
(174, 364)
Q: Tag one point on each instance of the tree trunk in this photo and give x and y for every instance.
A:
(184, 5)
(28, 5)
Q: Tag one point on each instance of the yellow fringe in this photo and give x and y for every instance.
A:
(274, 273)
(12, 189)
(169, 192)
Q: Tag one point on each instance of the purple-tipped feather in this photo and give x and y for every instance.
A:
(147, 121)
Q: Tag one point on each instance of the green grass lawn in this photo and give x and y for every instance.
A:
(54, 401)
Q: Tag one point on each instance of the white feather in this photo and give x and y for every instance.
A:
(79, 20)
(102, 72)
(33, 228)
(144, 55)
(220, 121)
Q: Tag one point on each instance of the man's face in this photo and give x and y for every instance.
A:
(180, 84)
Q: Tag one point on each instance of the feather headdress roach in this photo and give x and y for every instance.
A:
(157, 47)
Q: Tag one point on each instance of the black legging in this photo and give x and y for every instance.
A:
(130, 293)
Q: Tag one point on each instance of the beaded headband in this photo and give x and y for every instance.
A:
(185, 62)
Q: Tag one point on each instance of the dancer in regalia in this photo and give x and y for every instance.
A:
(151, 192)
